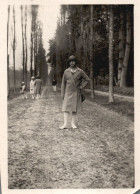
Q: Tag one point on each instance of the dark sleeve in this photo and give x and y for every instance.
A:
(63, 86)
(85, 80)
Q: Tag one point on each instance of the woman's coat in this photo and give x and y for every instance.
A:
(70, 89)
(38, 84)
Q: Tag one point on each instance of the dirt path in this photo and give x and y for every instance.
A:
(99, 154)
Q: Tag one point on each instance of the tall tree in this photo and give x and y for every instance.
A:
(42, 58)
(26, 53)
(84, 48)
(35, 26)
(8, 80)
(23, 50)
(111, 97)
(127, 49)
(14, 48)
(58, 67)
(91, 53)
(76, 32)
(32, 45)
(121, 46)
(82, 36)
(31, 56)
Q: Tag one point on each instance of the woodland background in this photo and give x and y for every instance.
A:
(100, 36)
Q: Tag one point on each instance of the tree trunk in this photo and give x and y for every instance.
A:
(81, 38)
(111, 97)
(26, 54)
(127, 51)
(35, 56)
(23, 62)
(36, 53)
(14, 48)
(91, 53)
(34, 9)
(31, 56)
(36, 69)
(31, 47)
(121, 47)
(32, 43)
(81, 25)
(84, 49)
(8, 80)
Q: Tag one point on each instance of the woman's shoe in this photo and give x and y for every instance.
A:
(74, 127)
(63, 127)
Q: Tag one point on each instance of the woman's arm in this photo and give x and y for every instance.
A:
(85, 80)
(30, 85)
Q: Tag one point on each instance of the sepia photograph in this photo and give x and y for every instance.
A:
(69, 91)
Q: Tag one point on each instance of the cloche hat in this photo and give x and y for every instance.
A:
(72, 57)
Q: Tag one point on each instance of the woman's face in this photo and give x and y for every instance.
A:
(72, 63)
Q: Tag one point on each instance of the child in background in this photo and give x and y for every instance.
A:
(54, 82)
(23, 90)
(32, 87)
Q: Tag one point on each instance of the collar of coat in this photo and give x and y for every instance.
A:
(75, 74)
(69, 69)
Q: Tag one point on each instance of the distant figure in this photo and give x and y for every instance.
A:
(49, 65)
(54, 82)
(38, 84)
(32, 87)
(23, 90)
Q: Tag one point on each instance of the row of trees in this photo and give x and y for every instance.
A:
(101, 36)
(33, 53)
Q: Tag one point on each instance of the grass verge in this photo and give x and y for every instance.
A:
(121, 107)
(129, 91)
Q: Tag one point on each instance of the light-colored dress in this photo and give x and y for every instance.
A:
(32, 87)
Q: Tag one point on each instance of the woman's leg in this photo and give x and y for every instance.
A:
(37, 96)
(25, 95)
(40, 93)
(73, 120)
(33, 96)
(66, 115)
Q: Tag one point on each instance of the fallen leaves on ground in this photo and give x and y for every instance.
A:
(99, 154)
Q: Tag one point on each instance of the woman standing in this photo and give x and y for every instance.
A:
(74, 80)
(38, 84)
(32, 87)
